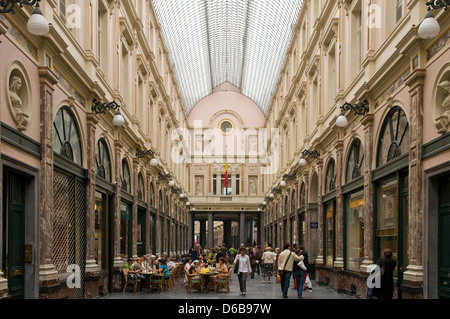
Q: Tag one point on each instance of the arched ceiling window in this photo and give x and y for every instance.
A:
(394, 138)
(355, 161)
(330, 177)
(216, 41)
(103, 160)
(66, 136)
(125, 175)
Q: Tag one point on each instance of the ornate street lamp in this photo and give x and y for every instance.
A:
(305, 153)
(358, 109)
(141, 154)
(37, 24)
(290, 177)
(429, 28)
(100, 108)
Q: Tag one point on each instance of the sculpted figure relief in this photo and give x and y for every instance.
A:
(443, 120)
(14, 95)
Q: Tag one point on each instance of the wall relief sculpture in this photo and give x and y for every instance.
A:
(442, 121)
(19, 96)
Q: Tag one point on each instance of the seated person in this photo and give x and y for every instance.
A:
(131, 272)
(204, 260)
(195, 269)
(163, 267)
(144, 263)
(170, 263)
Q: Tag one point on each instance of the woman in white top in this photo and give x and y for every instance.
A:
(245, 268)
(268, 259)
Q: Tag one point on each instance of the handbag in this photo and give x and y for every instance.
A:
(301, 264)
(236, 267)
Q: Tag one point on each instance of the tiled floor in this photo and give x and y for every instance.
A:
(255, 290)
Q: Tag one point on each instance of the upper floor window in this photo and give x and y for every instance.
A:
(330, 177)
(103, 160)
(66, 136)
(394, 138)
(141, 187)
(355, 161)
(126, 177)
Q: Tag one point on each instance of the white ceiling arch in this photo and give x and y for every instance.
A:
(243, 42)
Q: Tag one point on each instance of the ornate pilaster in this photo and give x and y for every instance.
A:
(339, 261)
(148, 217)
(135, 209)
(91, 264)
(118, 145)
(319, 166)
(367, 123)
(47, 272)
(414, 270)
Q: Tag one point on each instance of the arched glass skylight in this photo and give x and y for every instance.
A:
(242, 42)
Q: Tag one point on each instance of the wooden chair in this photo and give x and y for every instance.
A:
(169, 282)
(194, 283)
(176, 271)
(132, 281)
(157, 282)
(223, 282)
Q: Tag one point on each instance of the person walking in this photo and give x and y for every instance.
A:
(251, 254)
(232, 252)
(307, 282)
(258, 257)
(285, 267)
(387, 266)
(299, 273)
(244, 269)
(267, 260)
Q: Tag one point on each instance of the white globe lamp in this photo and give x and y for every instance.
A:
(429, 28)
(37, 24)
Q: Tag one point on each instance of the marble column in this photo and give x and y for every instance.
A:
(210, 230)
(319, 165)
(242, 239)
(118, 263)
(190, 231)
(3, 280)
(339, 235)
(48, 275)
(414, 270)
(367, 123)
(148, 218)
(133, 234)
(91, 265)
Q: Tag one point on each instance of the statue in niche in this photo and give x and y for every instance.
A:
(253, 144)
(252, 187)
(198, 187)
(198, 143)
(443, 120)
(16, 102)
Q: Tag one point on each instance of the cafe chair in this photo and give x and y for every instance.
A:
(130, 280)
(157, 281)
(223, 282)
(192, 282)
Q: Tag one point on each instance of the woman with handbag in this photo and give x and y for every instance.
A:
(243, 268)
(299, 273)
(268, 260)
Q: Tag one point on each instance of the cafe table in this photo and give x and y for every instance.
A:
(207, 279)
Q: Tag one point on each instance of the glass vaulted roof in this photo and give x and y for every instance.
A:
(243, 42)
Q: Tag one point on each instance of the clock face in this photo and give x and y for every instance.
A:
(226, 127)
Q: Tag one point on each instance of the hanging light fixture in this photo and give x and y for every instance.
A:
(37, 24)
(359, 109)
(429, 28)
(100, 108)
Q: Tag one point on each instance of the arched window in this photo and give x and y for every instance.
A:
(355, 161)
(293, 201)
(66, 137)
(167, 206)
(302, 195)
(152, 196)
(141, 187)
(330, 177)
(126, 178)
(286, 206)
(103, 160)
(160, 201)
(394, 138)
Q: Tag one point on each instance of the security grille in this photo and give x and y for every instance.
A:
(69, 224)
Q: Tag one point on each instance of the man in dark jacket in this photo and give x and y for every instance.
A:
(387, 266)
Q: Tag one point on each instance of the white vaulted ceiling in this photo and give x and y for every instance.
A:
(243, 42)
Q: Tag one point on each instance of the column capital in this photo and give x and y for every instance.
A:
(47, 76)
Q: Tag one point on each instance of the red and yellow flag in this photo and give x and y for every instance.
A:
(226, 178)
